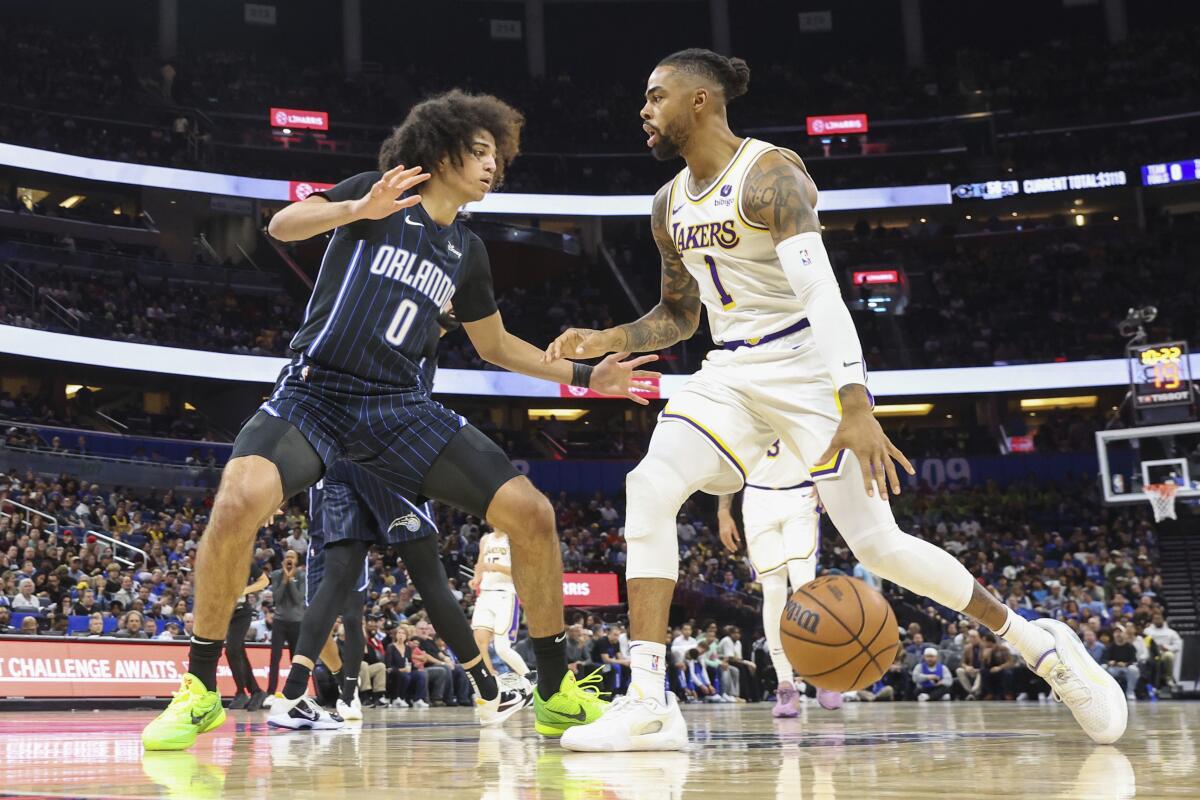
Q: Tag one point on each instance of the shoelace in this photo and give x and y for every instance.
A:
(1068, 687)
(592, 685)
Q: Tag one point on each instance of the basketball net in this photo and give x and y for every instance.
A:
(1162, 500)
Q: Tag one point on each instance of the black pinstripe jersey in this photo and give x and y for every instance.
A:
(382, 285)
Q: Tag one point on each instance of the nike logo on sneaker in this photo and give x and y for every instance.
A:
(850, 363)
(580, 717)
(198, 719)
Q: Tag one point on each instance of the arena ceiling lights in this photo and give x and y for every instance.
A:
(514, 204)
(924, 383)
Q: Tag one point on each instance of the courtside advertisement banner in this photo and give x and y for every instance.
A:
(299, 119)
(588, 589)
(45, 667)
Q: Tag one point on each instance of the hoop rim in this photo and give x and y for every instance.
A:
(1162, 489)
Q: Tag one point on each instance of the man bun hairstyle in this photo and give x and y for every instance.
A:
(443, 125)
(732, 74)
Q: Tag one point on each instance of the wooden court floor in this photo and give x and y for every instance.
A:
(905, 750)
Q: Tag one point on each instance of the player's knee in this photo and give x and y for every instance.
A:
(878, 548)
(654, 487)
(249, 491)
(527, 516)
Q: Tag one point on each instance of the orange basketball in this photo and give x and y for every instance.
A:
(839, 634)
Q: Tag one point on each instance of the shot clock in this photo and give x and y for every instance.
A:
(1161, 383)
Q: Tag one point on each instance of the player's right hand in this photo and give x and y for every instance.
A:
(728, 530)
(583, 343)
(384, 198)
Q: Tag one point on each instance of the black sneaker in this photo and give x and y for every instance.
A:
(239, 702)
(256, 700)
(303, 713)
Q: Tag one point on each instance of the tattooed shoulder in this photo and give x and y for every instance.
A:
(779, 193)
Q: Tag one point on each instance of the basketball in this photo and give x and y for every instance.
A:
(839, 634)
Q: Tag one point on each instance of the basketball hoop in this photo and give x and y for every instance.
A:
(1162, 500)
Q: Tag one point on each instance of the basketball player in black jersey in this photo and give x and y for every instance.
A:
(395, 261)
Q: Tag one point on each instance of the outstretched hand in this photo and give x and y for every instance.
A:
(618, 378)
(861, 434)
(385, 199)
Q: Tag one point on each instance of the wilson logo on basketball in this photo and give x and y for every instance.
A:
(802, 617)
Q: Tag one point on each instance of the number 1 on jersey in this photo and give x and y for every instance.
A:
(726, 300)
(406, 312)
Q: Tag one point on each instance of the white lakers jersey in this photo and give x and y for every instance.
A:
(494, 549)
(743, 286)
(778, 469)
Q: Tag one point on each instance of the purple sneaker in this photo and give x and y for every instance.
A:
(787, 701)
(829, 700)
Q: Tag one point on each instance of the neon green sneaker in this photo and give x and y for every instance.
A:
(194, 710)
(575, 703)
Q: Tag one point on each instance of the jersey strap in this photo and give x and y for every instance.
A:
(795, 327)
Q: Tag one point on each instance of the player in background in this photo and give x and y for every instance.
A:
(395, 262)
(782, 516)
(738, 233)
(497, 612)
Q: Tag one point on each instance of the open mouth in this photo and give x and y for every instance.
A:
(651, 134)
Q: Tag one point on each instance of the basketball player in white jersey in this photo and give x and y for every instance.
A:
(782, 516)
(738, 232)
(497, 611)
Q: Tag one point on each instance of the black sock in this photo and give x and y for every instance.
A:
(339, 678)
(550, 653)
(297, 681)
(349, 687)
(202, 660)
(483, 681)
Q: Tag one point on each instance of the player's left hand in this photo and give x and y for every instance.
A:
(860, 433)
(618, 378)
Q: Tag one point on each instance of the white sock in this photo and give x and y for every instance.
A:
(783, 669)
(774, 589)
(1031, 641)
(648, 663)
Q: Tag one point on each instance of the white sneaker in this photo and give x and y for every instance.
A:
(1094, 696)
(729, 698)
(419, 704)
(512, 697)
(631, 723)
(350, 711)
(922, 698)
(303, 713)
(399, 702)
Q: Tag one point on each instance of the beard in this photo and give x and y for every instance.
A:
(671, 141)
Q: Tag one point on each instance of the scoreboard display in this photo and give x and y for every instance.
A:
(1161, 382)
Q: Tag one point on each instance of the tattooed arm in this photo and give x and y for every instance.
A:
(780, 195)
(674, 319)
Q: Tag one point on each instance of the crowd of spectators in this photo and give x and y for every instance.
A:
(70, 105)
(969, 298)
(1046, 549)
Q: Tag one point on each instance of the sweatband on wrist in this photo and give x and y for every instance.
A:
(581, 375)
